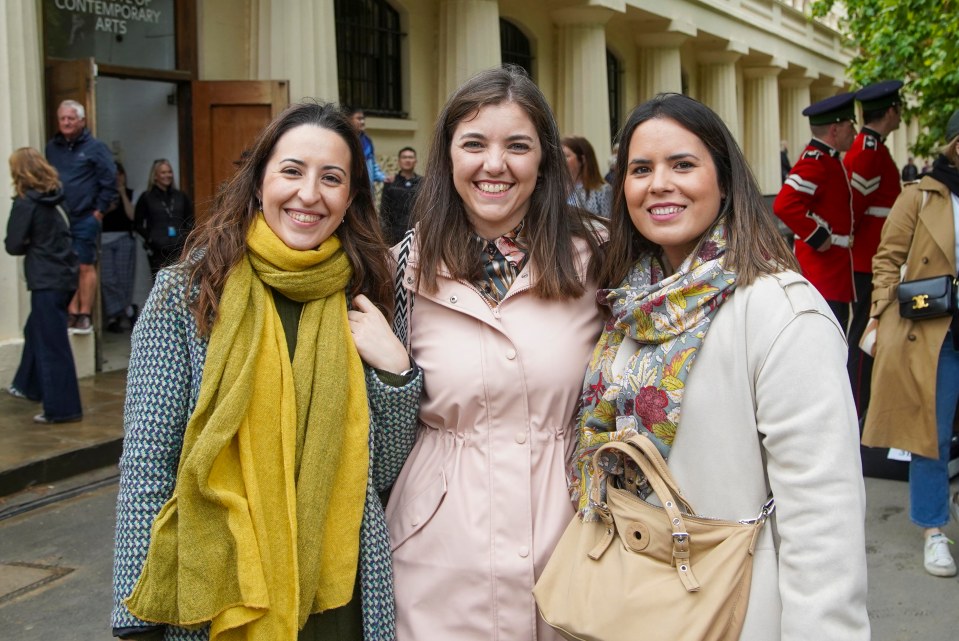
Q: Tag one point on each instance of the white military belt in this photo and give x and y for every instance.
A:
(839, 240)
(878, 212)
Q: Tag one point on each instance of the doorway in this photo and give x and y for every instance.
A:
(137, 120)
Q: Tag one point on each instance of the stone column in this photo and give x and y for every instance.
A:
(295, 40)
(660, 63)
(468, 41)
(582, 97)
(717, 86)
(761, 135)
(793, 98)
(21, 125)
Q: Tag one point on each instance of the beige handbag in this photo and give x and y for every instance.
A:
(648, 572)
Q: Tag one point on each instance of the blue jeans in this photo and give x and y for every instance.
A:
(929, 478)
(46, 371)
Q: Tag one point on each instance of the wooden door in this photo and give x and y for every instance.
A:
(71, 80)
(227, 116)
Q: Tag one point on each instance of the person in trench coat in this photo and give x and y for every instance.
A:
(916, 373)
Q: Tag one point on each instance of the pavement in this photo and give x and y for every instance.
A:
(33, 454)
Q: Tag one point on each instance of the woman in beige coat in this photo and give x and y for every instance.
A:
(503, 321)
(731, 362)
(916, 373)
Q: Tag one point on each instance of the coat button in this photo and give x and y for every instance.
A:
(415, 521)
(454, 298)
(511, 354)
(520, 437)
(524, 551)
(911, 337)
(925, 261)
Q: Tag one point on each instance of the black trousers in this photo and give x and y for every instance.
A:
(859, 363)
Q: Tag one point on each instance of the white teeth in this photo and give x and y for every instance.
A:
(665, 211)
(303, 218)
(492, 188)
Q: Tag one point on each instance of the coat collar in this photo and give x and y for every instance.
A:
(823, 147)
(937, 216)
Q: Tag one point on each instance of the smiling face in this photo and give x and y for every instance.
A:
(672, 191)
(163, 175)
(495, 157)
(306, 186)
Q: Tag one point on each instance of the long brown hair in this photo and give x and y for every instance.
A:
(30, 170)
(219, 242)
(754, 246)
(444, 231)
(589, 174)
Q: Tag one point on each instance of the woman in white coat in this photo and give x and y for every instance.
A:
(502, 326)
(721, 353)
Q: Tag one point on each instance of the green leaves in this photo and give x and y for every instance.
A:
(913, 40)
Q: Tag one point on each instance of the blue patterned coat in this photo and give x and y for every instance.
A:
(163, 384)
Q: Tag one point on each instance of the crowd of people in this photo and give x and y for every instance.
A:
(326, 438)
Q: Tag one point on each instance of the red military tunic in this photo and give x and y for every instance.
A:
(875, 187)
(815, 202)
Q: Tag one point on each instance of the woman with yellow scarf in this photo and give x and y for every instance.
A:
(267, 404)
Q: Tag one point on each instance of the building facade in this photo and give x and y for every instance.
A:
(757, 63)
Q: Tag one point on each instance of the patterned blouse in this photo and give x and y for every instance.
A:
(502, 259)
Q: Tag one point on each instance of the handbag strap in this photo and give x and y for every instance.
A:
(63, 214)
(643, 452)
(403, 297)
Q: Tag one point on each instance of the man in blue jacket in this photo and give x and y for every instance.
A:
(89, 178)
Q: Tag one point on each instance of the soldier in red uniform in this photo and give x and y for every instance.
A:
(875, 186)
(815, 202)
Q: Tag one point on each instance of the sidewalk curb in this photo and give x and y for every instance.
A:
(60, 466)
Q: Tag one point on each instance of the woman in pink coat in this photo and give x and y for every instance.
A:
(503, 323)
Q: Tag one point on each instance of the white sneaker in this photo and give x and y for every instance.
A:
(938, 561)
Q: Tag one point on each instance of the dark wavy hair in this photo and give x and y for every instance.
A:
(754, 246)
(218, 243)
(444, 232)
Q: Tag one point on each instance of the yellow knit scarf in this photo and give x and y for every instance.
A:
(263, 526)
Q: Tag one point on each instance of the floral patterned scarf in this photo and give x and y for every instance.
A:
(669, 317)
(502, 260)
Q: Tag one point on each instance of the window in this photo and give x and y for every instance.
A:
(614, 82)
(514, 46)
(368, 56)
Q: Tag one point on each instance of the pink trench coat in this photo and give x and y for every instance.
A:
(482, 499)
